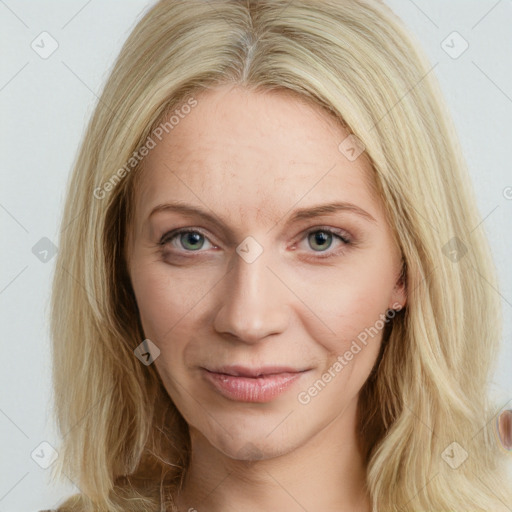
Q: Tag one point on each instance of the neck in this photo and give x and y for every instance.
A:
(326, 472)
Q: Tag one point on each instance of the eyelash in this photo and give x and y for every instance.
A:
(340, 235)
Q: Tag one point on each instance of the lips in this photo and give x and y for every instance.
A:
(244, 371)
(259, 384)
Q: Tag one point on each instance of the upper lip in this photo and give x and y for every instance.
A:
(244, 371)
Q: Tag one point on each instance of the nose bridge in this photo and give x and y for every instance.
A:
(253, 305)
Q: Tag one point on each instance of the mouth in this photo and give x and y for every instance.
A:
(261, 371)
(243, 384)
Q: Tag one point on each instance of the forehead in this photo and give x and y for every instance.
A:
(241, 151)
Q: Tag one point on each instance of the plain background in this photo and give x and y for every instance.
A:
(45, 104)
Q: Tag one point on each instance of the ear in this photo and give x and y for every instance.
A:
(399, 294)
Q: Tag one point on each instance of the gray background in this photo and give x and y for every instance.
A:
(45, 104)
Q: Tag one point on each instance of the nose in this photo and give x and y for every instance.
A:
(253, 301)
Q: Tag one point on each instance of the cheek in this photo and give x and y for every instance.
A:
(165, 299)
(348, 300)
(353, 314)
(353, 304)
(167, 304)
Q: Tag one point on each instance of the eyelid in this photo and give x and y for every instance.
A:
(168, 236)
(342, 235)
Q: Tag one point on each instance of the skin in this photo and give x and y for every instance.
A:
(251, 159)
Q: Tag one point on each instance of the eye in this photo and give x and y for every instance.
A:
(321, 239)
(188, 239)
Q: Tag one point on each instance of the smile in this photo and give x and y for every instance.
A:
(257, 385)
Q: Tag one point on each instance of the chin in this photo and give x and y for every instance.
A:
(242, 438)
(252, 449)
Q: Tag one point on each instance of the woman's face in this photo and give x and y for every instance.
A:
(264, 278)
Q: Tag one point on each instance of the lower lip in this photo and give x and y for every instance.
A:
(249, 389)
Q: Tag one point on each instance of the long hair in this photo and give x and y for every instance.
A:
(425, 416)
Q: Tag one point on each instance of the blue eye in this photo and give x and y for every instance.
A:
(190, 240)
(195, 239)
(320, 240)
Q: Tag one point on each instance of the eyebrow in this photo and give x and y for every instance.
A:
(299, 214)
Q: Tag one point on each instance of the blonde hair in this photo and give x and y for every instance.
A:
(124, 443)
